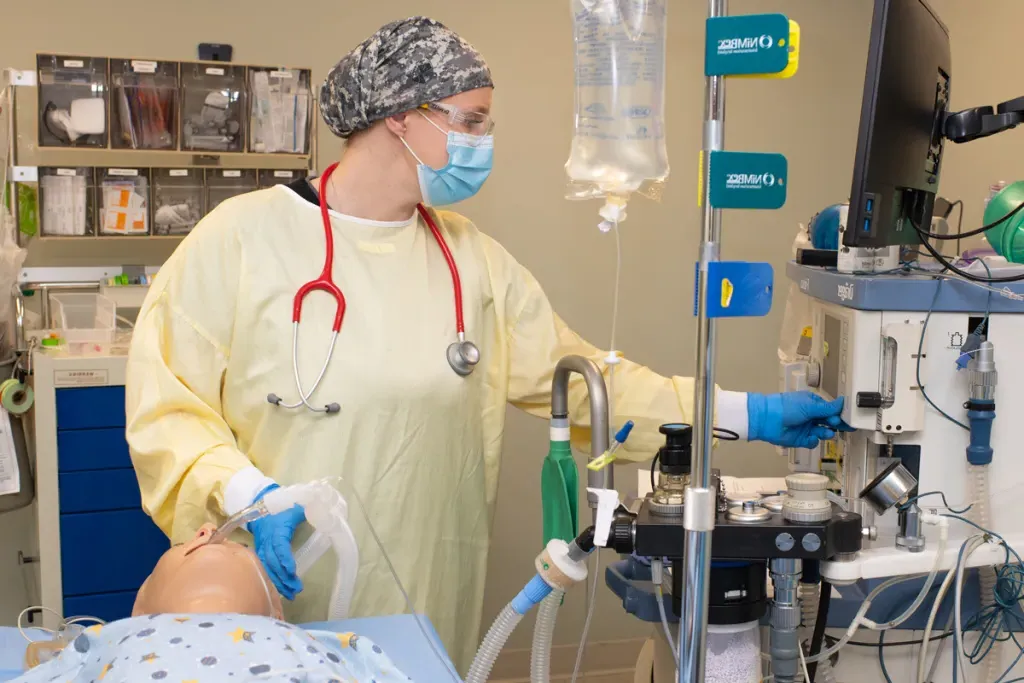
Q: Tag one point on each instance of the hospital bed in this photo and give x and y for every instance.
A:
(400, 637)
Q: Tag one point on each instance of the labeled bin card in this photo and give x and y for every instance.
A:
(738, 289)
(748, 180)
(744, 45)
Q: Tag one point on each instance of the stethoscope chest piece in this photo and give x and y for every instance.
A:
(463, 356)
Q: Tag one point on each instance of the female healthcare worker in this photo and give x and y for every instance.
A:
(413, 423)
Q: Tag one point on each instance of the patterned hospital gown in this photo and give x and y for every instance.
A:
(214, 648)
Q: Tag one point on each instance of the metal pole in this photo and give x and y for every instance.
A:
(699, 516)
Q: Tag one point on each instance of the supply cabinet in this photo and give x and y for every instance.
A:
(97, 545)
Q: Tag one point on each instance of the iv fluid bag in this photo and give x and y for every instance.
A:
(618, 145)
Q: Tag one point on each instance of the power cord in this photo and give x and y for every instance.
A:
(949, 266)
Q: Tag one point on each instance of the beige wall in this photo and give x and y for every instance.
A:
(812, 119)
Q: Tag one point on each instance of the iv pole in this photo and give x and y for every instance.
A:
(699, 510)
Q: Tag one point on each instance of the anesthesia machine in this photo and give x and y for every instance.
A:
(906, 521)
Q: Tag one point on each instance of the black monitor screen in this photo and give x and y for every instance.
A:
(899, 148)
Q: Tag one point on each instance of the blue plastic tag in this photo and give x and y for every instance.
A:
(746, 44)
(738, 289)
(748, 180)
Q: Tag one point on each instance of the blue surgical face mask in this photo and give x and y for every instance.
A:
(470, 158)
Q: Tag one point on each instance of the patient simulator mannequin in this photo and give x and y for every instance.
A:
(200, 577)
(209, 613)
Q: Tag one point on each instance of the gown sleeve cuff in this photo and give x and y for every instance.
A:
(731, 412)
(242, 489)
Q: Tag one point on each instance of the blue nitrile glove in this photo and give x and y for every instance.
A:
(798, 419)
(273, 538)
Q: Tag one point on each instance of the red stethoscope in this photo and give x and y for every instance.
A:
(462, 355)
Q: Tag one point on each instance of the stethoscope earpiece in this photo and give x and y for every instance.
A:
(463, 357)
(274, 399)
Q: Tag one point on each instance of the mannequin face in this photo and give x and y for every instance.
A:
(203, 578)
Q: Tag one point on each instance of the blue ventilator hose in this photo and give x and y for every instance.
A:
(531, 595)
(979, 452)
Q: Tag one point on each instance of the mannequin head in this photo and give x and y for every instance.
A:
(203, 578)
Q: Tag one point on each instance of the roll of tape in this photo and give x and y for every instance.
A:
(15, 397)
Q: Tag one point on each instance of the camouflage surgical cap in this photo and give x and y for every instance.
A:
(403, 65)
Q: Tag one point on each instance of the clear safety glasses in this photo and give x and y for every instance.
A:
(472, 122)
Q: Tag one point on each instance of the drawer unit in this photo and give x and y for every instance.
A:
(99, 490)
(105, 552)
(91, 449)
(90, 408)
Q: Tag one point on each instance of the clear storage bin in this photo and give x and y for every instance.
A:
(144, 108)
(72, 101)
(123, 201)
(83, 319)
(269, 178)
(280, 110)
(225, 183)
(212, 107)
(67, 201)
(177, 200)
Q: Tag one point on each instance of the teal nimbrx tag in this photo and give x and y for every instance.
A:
(737, 289)
(746, 44)
(748, 180)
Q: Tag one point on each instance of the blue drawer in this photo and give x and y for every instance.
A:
(105, 552)
(92, 449)
(105, 606)
(99, 490)
(90, 407)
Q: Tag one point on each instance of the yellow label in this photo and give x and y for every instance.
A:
(727, 290)
(806, 332)
(700, 179)
(825, 348)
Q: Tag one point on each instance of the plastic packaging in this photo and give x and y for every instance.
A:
(72, 101)
(66, 199)
(733, 654)
(1006, 237)
(124, 201)
(618, 145)
(280, 110)
(212, 107)
(494, 641)
(144, 106)
(177, 200)
(543, 633)
(83, 318)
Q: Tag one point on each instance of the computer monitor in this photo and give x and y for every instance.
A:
(902, 117)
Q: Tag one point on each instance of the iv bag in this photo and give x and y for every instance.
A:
(618, 145)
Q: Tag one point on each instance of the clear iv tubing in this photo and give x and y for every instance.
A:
(860, 619)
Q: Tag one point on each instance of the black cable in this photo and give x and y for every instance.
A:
(959, 224)
(654, 463)
(820, 621)
(726, 434)
(902, 643)
(970, 233)
(962, 273)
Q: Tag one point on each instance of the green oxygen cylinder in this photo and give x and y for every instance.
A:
(1005, 236)
(559, 486)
